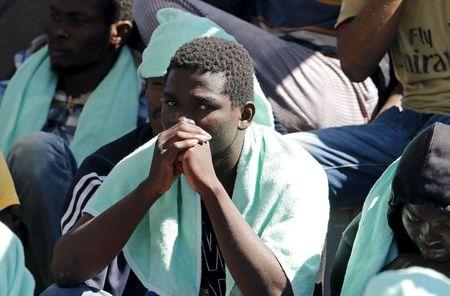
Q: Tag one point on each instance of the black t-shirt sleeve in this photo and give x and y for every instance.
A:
(117, 278)
(88, 179)
(94, 170)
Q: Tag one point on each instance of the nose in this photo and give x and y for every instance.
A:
(59, 30)
(181, 115)
(429, 236)
(185, 119)
(61, 33)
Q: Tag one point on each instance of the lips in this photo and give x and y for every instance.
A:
(58, 48)
(59, 52)
(436, 254)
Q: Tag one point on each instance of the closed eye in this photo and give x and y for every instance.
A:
(55, 17)
(414, 219)
(55, 14)
(79, 20)
(447, 225)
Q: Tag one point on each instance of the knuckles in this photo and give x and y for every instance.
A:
(179, 134)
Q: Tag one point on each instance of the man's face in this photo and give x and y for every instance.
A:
(78, 33)
(200, 97)
(154, 92)
(429, 229)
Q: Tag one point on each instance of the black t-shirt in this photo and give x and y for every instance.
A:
(213, 264)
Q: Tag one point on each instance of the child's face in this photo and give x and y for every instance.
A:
(429, 229)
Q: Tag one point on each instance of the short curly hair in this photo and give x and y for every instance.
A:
(217, 55)
(118, 10)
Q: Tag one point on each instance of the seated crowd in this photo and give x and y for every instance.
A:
(207, 160)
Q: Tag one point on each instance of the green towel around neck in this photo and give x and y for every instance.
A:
(110, 112)
(15, 279)
(280, 190)
(374, 245)
(413, 281)
(178, 27)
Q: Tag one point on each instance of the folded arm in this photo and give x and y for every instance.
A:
(93, 242)
(367, 38)
(88, 248)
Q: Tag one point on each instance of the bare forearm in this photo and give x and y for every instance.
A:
(252, 264)
(87, 250)
(368, 37)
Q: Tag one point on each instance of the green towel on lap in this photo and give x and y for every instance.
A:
(110, 112)
(177, 28)
(280, 190)
(15, 279)
(374, 246)
(413, 281)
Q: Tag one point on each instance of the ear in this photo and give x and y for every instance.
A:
(247, 113)
(119, 33)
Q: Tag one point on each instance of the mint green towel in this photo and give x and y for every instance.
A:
(413, 281)
(15, 279)
(110, 111)
(374, 246)
(280, 190)
(177, 28)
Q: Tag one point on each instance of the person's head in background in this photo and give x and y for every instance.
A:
(86, 35)
(154, 92)
(419, 210)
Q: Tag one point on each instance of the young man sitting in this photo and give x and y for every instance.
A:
(176, 28)
(64, 103)
(214, 203)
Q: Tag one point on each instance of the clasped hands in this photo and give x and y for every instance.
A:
(183, 148)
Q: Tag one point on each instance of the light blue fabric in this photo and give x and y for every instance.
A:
(110, 111)
(374, 246)
(177, 28)
(280, 190)
(15, 279)
(416, 281)
(82, 290)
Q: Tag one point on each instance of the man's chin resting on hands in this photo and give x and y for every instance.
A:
(248, 226)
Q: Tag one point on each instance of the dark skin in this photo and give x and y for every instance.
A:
(154, 92)
(429, 229)
(203, 139)
(83, 47)
(364, 42)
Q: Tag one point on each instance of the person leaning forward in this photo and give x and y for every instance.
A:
(213, 173)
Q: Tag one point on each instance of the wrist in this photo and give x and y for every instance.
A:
(212, 191)
(147, 190)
